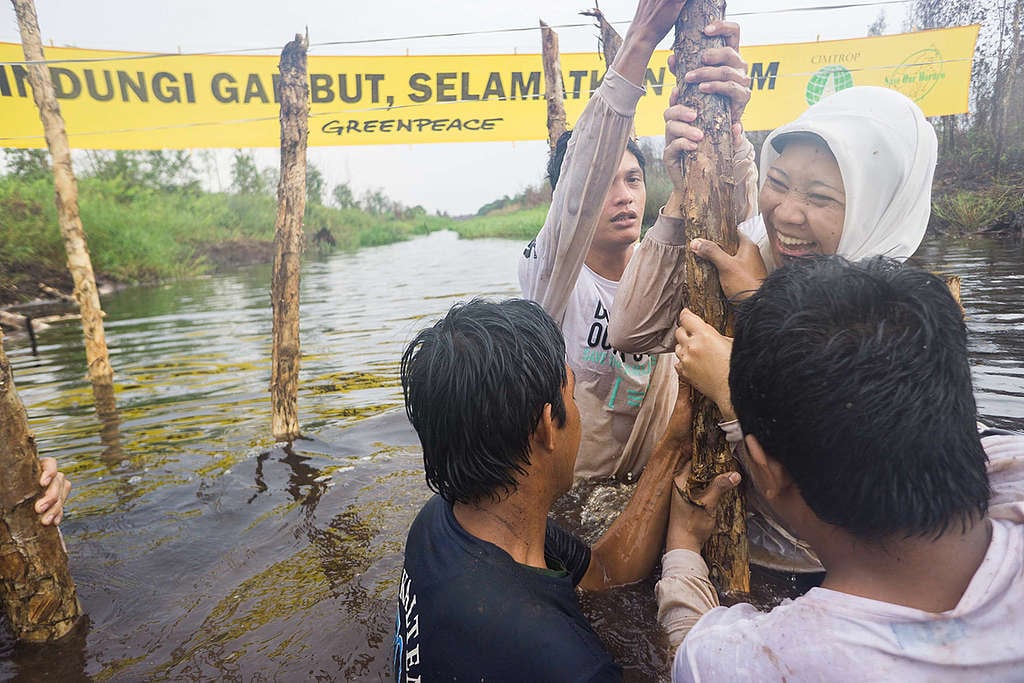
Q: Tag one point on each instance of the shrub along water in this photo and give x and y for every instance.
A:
(138, 234)
(965, 211)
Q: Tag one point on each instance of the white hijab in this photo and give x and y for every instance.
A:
(886, 152)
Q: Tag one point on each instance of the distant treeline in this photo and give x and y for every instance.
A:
(979, 183)
(147, 218)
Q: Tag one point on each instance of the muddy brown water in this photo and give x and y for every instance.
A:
(203, 551)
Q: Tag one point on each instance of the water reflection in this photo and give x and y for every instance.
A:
(204, 551)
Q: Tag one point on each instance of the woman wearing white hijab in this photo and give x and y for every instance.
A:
(885, 151)
(875, 140)
(851, 176)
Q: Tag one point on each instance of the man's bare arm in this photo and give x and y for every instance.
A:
(628, 550)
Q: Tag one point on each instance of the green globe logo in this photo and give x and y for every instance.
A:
(918, 74)
(827, 81)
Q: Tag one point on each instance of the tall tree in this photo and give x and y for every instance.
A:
(246, 177)
(877, 27)
(315, 185)
(344, 197)
(996, 73)
(28, 164)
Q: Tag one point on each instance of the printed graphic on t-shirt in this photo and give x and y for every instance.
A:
(531, 249)
(407, 634)
(630, 369)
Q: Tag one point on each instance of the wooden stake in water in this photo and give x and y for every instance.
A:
(708, 210)
(611, 41)
(553, 87)
(291, 205)
(100, 372)
(36, 588)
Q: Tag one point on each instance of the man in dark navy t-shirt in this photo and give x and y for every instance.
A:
(488, 588)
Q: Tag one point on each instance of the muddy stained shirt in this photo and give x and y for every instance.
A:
(610, 386)
(624, 400)
(826, 635)
(468, 612)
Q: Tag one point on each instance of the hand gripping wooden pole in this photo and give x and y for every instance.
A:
(709, 213)
(36, 588)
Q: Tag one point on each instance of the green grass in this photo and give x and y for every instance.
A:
(520, 225)
(967, 211)
(142, 235)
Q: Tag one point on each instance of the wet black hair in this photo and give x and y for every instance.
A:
(855, 377)
(475, 386)
(557, 156)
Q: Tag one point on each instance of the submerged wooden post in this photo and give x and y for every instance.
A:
(291, 205)
(953, 282)
(36, 588)
(554, 89)
(100, 373)
(709, 213)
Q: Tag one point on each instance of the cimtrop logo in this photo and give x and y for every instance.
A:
(827, 81)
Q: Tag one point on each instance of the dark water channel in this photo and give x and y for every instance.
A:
(203, 551)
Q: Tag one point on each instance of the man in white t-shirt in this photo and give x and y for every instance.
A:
(574, 265)
(853, 389)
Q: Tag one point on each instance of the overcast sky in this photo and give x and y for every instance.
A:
(457, 178)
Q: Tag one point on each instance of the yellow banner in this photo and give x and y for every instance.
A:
(118, 100)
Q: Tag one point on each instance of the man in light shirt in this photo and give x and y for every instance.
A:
(853, 388)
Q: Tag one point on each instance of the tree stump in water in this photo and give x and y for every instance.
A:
(36, 588)
(709, 212)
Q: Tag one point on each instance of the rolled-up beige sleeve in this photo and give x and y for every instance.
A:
(652, 291)
(684, 593)
(745, 174)
(548, 273)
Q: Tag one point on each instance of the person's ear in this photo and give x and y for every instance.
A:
(544, 434)
(771, 477)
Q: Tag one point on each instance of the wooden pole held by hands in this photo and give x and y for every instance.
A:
(291, 205)
(36, 588)
(709, 213)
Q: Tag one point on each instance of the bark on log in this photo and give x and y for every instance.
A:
(291, 205)
(554, 89)
(708, 208)
(953, 282)
(55, 293)
(14, 321)
(611, 41)
(100, 372)
(36, 588)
